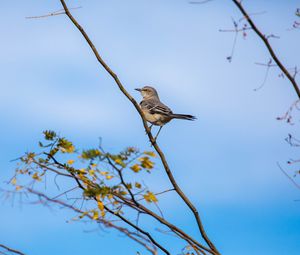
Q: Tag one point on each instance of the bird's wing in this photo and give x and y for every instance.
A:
(155, 107)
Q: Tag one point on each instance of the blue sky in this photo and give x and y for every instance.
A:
(225, 161)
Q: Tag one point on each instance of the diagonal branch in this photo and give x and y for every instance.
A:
(11, 250)
(268, 45)
(152, 140)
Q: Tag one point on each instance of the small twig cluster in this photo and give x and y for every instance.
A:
(238, 27)
(265, 40)
(288, 116)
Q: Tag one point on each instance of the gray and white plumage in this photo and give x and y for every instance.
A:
(155, 111)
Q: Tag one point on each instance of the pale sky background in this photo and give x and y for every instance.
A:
(225, 161)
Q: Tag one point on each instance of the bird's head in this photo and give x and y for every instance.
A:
(148, 92)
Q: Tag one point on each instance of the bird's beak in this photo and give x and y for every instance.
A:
(139, 90)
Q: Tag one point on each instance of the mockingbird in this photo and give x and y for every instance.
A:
(155, 111)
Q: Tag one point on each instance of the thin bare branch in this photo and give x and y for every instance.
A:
(268, 65)
(151, 138)
(288, 116)
(56, 13)
(200, 2)
(291, 140)
(289, 177)
(42, 166)
(11, 250)
(253, 14)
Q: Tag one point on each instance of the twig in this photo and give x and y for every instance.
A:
(236, 30)
(288, 117)
(289, 177)
(253, 14)
(294, 142)
(268, 65)
(200, 2)
(64, 193)
(59, 12)
(234, 42)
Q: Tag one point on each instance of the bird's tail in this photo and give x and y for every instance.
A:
(183, 116)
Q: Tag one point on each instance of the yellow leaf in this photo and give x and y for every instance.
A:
(146, 162)
(14, 181)
(95, 215)
(108, 177)
(120, 162)
(150, 197)
(70, 149)
(100, 205)
(83, 214)
(82, 171)
(115, 203)
(103, 173)
(150, 153)
(137, 185)
(188, 247)
(36, 177)
(71, 161)
(135, 168)
(92, 172)
(18, 188)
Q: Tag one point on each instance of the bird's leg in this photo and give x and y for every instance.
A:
(158, 133)
(149, 128)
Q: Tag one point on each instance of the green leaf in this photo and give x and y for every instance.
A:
(49, 135)
(91, 154)
(65, 146)
(138, 185)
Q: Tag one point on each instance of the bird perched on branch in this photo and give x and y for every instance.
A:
(155, 111)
